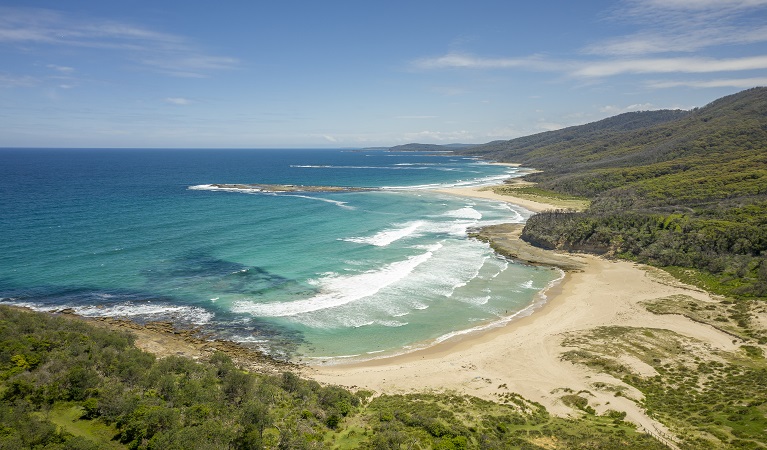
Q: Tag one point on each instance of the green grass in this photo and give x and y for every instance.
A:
(707, 281)
(67, 417)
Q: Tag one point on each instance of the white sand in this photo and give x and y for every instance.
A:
(488, 194)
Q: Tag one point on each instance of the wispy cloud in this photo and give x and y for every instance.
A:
(682, 26)
(669, 65)
(443, 136)
(468, 61)
(717, 83)
(180, 101)
(605, 67)
(415, 117)
(671, 37)
(163, 52)
(10, 81)
(61, 69)
(611, 109)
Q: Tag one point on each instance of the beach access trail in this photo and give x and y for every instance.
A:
(524, 356)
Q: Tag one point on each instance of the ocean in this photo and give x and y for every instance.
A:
(137, 234)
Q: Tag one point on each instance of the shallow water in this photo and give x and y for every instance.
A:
(125, 233)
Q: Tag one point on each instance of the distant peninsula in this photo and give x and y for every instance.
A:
(276, 188)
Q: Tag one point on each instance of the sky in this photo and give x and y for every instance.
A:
(311, 74)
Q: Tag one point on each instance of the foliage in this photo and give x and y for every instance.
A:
(672, 189)
(65, 384)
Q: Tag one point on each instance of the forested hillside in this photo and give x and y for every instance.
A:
(682, 190)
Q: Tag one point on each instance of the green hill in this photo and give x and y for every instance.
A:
(681, 190)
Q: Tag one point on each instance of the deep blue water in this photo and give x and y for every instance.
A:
(120, 233)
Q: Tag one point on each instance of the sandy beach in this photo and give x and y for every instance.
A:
(488, 194)
(524, 355)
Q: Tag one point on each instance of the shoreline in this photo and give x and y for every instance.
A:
(523, 355)
(519, 354)
(486, 193)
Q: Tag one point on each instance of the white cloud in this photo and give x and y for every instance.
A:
(448, 91)
(10, 81)
(613, 67)
(163, 52)
(670, 65)
(442, 136)
(467, 61)
(662, 26)
(549, 126)
(741, 83)
(62, 69)
(181, 101)
(503, 133)
(683, 26)
(611, 109)
(329, 138)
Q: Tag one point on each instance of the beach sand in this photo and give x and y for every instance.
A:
(524, 355)
(488, 194)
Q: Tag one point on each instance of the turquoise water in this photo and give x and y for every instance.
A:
(136, 234)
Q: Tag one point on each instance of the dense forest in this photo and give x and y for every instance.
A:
(686, 191)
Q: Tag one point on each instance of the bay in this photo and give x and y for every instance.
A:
(125, 233)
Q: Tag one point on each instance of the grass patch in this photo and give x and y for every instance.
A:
(68, 418)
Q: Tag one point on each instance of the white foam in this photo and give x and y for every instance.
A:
(386, 237)
(191, 314)
(331, 357)
(327, 200)
(475, 300)
(249, 339)
(211, 187)
(243, 190)
(340, 290)
(392, 323)
(466, 212)
(358, 167)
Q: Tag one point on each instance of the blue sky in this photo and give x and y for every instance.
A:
(355, 74)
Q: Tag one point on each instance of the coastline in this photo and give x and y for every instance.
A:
(520, 355)
(523, 355)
